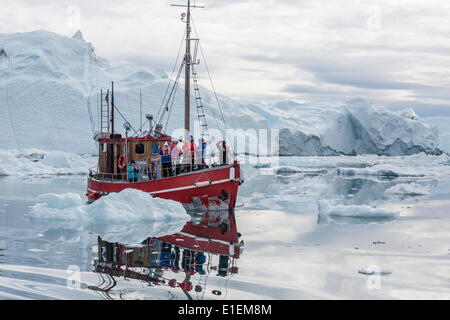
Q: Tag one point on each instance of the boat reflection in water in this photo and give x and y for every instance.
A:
(207, 246)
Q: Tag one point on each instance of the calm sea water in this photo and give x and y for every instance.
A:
(292, 251)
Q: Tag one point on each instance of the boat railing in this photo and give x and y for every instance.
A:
(102, 176)
(145, 175)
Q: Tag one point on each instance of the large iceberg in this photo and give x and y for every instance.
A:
(349, 128)
(443, 124)
(49, 99)
(49, 94)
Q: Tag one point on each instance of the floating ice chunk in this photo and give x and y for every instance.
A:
(382, 170)
(126, 206)
(286, 170)
(361, 211)
(37, 250)
(61, 201)
(56, 159)
(43, 163)
(410, 189)
(375, 271)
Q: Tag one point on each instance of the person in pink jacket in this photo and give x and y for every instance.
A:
(176, 152)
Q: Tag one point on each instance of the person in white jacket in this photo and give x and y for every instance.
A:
(224, 152)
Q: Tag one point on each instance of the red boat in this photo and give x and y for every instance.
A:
(214, 187)
(194, 181)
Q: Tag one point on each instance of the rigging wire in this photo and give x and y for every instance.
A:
(129, 109)
(227, 137)
(170, 79)
(171, 95)
(173, 99)
(128, 106)
(207, 100)
(125, 119)
(13, 128)
(98, 100)
(199, 122)
(209, 76)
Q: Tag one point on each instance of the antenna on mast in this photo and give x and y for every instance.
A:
(140, 94)
(187, 66)
(112, 108)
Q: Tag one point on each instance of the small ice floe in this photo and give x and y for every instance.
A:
(375, 271)
(56, 159)
(381, 170)
(61, 201)
(262, 165)
(36, 250)
(288, 170)
(34, 156)
(408, 189)
(126, 206)
(355, 211)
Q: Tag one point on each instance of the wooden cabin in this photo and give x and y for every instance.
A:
(142, 149)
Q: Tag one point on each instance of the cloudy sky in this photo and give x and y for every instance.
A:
(394, 53)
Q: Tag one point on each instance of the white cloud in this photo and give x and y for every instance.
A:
(387, 51)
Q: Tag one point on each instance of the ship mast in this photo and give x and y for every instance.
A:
(187, 81)
(187, 67)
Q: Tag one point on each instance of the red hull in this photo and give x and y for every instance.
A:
(209, 188)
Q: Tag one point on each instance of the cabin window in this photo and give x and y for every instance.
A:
(155, 148)
(103, 147)
(139, 148)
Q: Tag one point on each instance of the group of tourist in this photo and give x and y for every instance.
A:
(174, 159)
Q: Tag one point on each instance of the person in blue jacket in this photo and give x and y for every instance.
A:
(202, 151)
(132, 171)
(166, 160)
